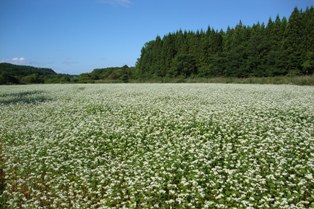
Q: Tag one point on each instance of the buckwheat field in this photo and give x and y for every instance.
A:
(157, 146)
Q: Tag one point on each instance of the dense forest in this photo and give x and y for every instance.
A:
(283, 48)
(279, 48)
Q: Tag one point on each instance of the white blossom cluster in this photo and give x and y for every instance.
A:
(157, 146)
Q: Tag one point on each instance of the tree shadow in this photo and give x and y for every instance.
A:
(26, 97)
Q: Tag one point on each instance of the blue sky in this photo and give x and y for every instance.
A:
(76, 36)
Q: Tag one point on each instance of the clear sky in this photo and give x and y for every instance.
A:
(76, 36)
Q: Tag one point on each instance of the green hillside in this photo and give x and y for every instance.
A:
(21, 74)
(15, 74)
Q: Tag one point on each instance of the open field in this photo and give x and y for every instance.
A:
(157, 146)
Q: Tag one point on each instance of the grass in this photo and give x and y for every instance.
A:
(293, 80)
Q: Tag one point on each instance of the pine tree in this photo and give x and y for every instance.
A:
(308, 42)
(293, 41)
(281, 47)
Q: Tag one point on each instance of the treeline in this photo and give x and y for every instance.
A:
(16, 74)
(19, 74)
(112, 74)
(279, 48)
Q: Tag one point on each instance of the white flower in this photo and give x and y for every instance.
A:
(126, 146)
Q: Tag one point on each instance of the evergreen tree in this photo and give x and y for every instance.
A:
(281, 47)
(294, 40)
(308, 42)
(185, 65)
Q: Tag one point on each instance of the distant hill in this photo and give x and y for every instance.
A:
(111, 74)
(21, 74)
(22, 70)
